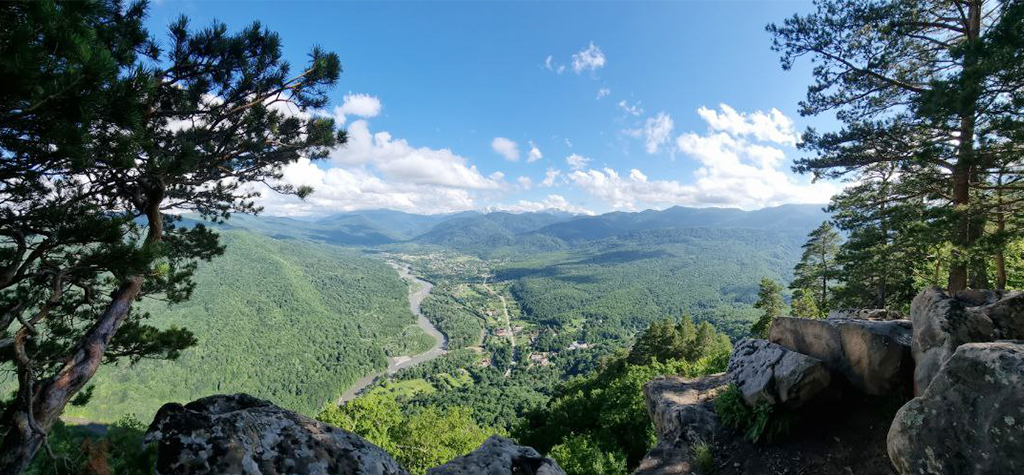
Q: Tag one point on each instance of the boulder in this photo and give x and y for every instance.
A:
(240, 434)
(880, 314)
(874, 357)
(969, 420)
(499, 456)
(683, 414)
(765, 372)
(941, 324)
(1007, 315)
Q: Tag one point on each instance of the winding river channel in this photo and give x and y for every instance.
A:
(419, 289)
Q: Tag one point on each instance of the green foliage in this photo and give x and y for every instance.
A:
(462, 327)
(105, 136)
(763, 422)
(665, 340)
(817, 267)
(704, 457)
(579, 455)
(613, 288)
(930, 93)
(607, 406)
(290, 321)
(120, 450)
(419, 440)
(769, 301)
(803, 305)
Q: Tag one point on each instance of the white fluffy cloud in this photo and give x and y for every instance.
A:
(346, 189)
(590, 58)
(534, 153)
(549, 203)
(506, 148)
(657, 131)
(395, 159)
(577, 161)
(739, 165)
(376, 170)
(603, 92)
(772, 126)
(360, 105)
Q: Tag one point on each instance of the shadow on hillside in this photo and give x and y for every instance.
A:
(622, 257)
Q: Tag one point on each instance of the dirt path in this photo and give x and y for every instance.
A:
(400, 362)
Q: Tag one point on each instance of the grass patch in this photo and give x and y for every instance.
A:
(763, 422)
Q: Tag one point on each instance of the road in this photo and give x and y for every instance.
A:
(394, 364)
(504, 306)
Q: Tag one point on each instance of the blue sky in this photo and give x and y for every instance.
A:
(586, 107)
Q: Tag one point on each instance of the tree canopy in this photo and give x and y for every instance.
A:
(105, 134)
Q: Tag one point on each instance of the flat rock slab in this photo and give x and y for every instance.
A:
(765, 372)
(873, 356)
(970, 419)
(240, 434)
(499, 456)
(683, 415)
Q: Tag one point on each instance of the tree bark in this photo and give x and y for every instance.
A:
(30, 418)
(965, 233)
(39, 404)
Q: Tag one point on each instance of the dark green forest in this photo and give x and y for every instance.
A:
(290, 321)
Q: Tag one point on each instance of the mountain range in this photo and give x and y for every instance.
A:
(478, 231)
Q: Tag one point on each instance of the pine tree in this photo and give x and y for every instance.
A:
(803, 305)
(769, 301)
(817, 267)
(103, 135)
(932, 86)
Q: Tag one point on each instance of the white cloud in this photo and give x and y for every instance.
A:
(506, 148)
(550, 176)
(534, 153)
(345, 189)
(577, 161)
(360, 105)
(603, 92)
(525, 182)
(590, 58)
(657, 131)
(739, 162)
(395, 159)
(772, 126)
(633, 109)
(550, 203)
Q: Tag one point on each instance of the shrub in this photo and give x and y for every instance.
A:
(762, 422)
(704, 458)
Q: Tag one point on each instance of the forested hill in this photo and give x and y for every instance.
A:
(292, 321)
(510, 233)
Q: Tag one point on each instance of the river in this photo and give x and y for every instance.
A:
(422, 289)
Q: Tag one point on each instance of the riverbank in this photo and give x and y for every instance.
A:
(418, 290)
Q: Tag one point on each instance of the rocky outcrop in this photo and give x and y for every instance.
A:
(941, 324)
(969, 420)
(240, 434)
(874, 357)
(683, 415)
(499, 456)
(879, 314)
(765, 372)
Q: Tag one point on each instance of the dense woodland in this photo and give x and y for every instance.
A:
(292, 322)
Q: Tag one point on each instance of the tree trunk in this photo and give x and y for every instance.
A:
(40, 403)
(49, 397)
(966, 234)
(961, 238)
